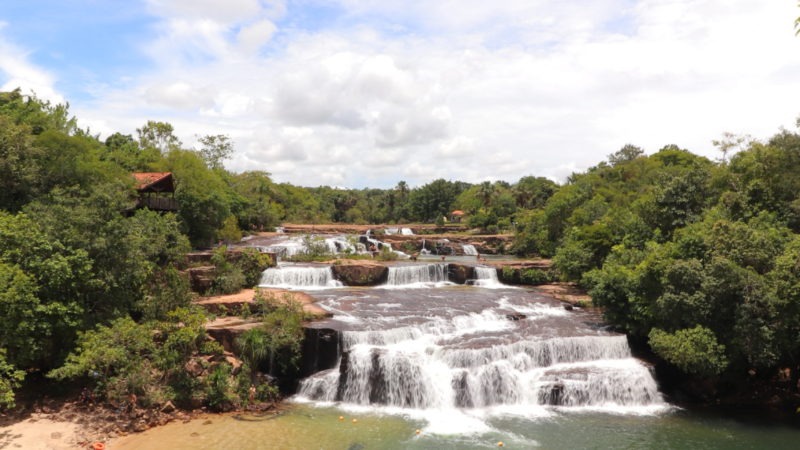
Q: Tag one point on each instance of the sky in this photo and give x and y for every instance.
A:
(366, 93)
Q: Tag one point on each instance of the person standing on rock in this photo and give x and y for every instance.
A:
(132, 402)
(251, 394)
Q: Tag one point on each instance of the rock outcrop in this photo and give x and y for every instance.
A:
(360, 273)
(460, 273)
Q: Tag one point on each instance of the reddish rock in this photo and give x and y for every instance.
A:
(360, 273)
(460, 273)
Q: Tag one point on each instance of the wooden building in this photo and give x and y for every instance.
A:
(156, 191)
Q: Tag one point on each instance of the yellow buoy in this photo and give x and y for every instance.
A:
(355, 420)
(418, 432)
(500, 444)
(341, 417)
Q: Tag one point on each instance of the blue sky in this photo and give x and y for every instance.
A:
(361, 93)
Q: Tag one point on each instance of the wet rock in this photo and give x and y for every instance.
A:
(460, 273)
(321, 347)
(365, 273)
(567, 306)
(168, 408)
(516, 316)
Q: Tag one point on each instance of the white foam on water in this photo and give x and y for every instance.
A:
(532, 310)
(299, 277)
(458, 371)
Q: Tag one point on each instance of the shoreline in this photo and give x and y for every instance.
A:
(68, 424)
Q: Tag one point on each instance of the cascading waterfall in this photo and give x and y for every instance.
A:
(469, 250)
(416, 367)
(298, 277)
(487, 277)
(417, 275)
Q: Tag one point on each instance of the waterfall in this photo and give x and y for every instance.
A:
(424, 250)
(406, 232)
(419, 367)
(339, 245)
(469, 250)
(297, 277)
(487, 277)
(417, 275)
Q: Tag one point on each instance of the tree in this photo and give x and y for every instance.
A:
(10, 379)
(693, 350)
(533, 192)
(627, 153)
(158, 135)
(215, 149)
(731, 142)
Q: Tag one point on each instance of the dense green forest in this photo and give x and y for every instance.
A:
(699, 259)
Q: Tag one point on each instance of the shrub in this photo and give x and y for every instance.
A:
(534, 277)
(693, 350)
(252, 263)
(10, 379)
(219, 392)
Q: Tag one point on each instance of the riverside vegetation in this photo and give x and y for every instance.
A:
(697, 260)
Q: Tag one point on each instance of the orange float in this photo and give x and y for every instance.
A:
(98, 446)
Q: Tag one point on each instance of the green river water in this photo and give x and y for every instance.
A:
(309, 427)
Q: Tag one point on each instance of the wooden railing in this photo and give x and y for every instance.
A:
(158, 203)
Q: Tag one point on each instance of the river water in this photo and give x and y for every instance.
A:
(430, 365)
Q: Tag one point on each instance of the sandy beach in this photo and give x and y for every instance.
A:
(41, 433)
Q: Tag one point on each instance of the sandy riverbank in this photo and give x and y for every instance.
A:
(41, 433)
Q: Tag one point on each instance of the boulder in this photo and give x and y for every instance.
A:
(360, 273)
(460, 273)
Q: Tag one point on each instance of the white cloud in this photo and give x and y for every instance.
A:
(464, 90)
(16, 71)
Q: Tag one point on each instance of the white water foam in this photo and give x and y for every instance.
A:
(486, 277)
(414, 369)
(299, 277)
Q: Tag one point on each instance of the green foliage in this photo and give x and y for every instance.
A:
(315, 249)
(229, 278)
(385, 254)
(434, 199)
(215, 149)
(278, 341)
(147, 359)
(158, 135)
(219, 391)
(534, 277)
(10, 379)
(229, 232)
(693, 350)
(204, 197)
(252, 263)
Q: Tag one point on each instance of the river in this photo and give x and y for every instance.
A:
(427, 364)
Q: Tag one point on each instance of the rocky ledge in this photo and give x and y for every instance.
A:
(360, 272)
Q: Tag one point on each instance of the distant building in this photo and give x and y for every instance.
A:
(456, 216)
(156, 191)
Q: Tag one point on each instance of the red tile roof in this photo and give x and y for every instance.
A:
(145, 179)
